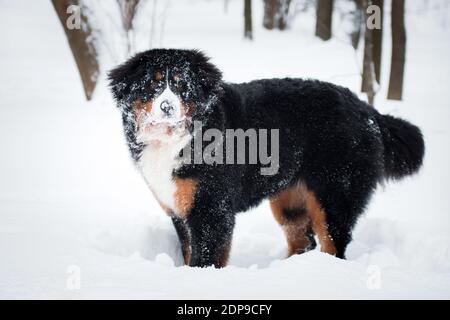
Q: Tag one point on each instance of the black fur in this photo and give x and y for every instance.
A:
(403, 147)
(334, 143)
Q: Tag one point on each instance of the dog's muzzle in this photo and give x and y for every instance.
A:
(167, 108)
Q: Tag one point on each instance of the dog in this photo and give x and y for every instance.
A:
(333, 150)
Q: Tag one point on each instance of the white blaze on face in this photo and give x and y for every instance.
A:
(166, 107)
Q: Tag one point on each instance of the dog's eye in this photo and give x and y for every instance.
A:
(155, 85)
(180, 85)
(175, 83)
(156, 82)
(176, 78)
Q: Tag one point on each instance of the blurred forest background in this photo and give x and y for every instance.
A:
(363, 26)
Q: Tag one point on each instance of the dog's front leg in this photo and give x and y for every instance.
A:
(211, 231)
(183, 235)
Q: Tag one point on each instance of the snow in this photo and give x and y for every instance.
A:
(72, 204)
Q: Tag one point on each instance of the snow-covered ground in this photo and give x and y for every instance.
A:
(72, 207)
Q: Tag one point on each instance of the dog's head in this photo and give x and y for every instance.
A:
(162, 91)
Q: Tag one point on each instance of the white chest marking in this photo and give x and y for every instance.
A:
(157, 164)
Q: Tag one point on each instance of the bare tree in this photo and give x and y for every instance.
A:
(128, 10)
(395, 91)
(378, 41)
(368, 76)
(276, 14)
(324, 19)
(225, 5)
(248, 26)
(269, 14)
(163, 18)
(358, 18)
(83, 49)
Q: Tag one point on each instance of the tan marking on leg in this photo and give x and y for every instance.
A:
(184, 195)
(187, 254)
(299, 196)
(296, 235)
(319, 223)
(295, 230)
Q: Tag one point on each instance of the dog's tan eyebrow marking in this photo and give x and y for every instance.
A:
(158, 76)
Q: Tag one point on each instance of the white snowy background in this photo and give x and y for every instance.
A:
(70, 198)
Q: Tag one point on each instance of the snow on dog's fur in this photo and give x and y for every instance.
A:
(333, 150)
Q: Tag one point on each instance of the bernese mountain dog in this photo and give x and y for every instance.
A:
(332, 150)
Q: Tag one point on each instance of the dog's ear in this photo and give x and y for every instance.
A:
(209, 75)
(122, 78)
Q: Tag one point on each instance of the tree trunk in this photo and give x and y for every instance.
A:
(357, 24)
(127, 12)
(269, 14)
(276, 14)
(368, 77)
(398, 50)
(153, 23)
(83, 50)
(377, 45)
(283, 12)
(248, 27)
(324, 19)
(378, 41)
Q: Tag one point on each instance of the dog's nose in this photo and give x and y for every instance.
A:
(167, 108)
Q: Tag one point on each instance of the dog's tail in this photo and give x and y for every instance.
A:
(404, 147)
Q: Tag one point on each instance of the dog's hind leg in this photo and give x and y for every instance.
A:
(301, 215)
(289, 210)
(319, 222)
(343, 210)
